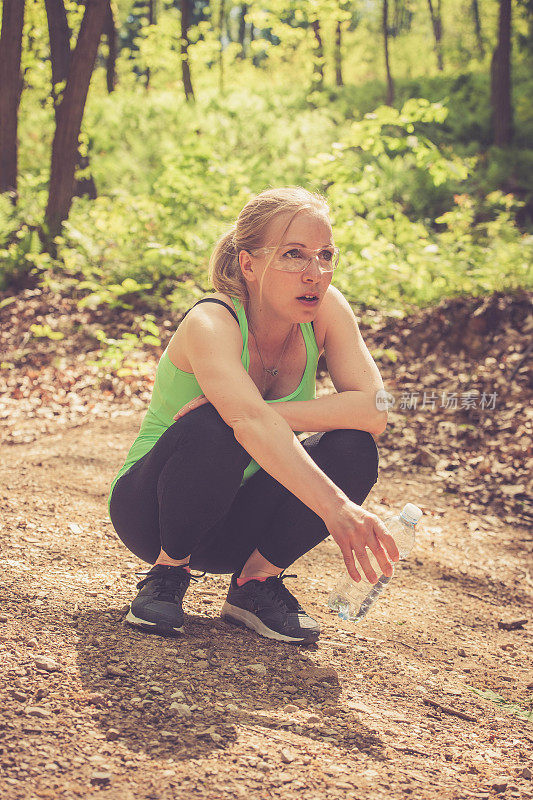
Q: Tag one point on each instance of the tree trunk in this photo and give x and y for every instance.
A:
(152, 19)
(436, 21)
(59, 34)
(502, 111)
(111, 36)
(242, 29)
(221, 16)
(477, 26)
(60, 56)
(318, 62)
(338, 56)
(11, 83)
(390, 84)
(184, 45)
(69, 115)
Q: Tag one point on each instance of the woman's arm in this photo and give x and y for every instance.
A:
(214, 346)
(353, 371)
(333, 411)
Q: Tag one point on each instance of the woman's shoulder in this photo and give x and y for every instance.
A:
(198, 316)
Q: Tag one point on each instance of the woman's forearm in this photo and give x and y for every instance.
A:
(268, 439)
(350, 409)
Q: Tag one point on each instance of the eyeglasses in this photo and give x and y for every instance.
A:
(297, 259)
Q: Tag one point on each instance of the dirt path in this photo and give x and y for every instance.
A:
(350, 717)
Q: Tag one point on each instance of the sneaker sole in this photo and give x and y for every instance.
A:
(160, 628)
(245, 619)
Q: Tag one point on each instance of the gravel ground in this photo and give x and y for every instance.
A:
(427, 697)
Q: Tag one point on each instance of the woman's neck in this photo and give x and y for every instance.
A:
(268, 327)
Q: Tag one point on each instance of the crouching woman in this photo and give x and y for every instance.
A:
(217, 479)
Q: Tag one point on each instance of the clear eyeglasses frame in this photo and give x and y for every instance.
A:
(287, 263)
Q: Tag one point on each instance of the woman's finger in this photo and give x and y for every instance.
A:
(195, 403)
(382, 559)
(347, 555)
(385, 538)
(362, 557)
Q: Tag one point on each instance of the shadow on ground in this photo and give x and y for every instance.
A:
(132, 680)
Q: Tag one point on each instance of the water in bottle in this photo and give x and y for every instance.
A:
(352, 600)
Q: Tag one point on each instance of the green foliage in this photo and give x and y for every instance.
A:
(114, 295)
(422, 206)
(46, 332)
(513, 708)
(116, 355)
(385, 354)
(21, 258)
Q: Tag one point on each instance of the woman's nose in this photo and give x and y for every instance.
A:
(313, 272)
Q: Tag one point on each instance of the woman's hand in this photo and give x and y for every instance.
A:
(195, 403)
(355, 529)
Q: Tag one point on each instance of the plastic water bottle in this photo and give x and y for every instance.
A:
(352, 600)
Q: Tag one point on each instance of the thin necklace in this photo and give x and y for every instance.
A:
(274, 371)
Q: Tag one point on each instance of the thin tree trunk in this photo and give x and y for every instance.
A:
(390, 84)
(436, 21)
(111, 36)
(184, 45)
(69, 115)
(502, 111)
(221, 16)
(152, 19)
(477, 26)
(60, 56)
(242, 29)
(318, 63)
(59, 34)
(338, 55)
(11, 83)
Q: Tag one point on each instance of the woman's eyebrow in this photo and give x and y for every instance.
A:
(301, 244)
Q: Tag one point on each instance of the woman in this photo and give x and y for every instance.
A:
(216, 479)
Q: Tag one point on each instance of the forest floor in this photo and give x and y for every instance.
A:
(430, 696)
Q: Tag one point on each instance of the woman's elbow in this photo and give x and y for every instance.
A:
(246, 418)
(380, 424)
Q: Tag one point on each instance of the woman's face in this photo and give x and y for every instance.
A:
(284, 292)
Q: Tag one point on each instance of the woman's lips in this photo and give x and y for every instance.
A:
(308, 302)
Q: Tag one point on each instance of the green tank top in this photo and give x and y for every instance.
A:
(174, 388)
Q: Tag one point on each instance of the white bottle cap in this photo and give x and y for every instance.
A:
(411, 513)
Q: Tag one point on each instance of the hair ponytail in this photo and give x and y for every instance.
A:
(224, 269)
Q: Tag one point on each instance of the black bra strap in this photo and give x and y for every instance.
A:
(213, 300)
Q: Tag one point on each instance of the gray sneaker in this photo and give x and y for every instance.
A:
(268, 608)
(158, 605)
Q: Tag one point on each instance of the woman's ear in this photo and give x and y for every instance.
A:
(247, 266)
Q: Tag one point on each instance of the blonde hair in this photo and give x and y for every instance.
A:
(249, 233)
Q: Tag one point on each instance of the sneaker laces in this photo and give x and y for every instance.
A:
(169, 582)
(278, 592)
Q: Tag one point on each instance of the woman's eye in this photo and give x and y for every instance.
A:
(327, 254)
(294, 250)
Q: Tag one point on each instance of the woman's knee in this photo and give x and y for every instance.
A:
(352, 452)
(204, 417)
(204, 424)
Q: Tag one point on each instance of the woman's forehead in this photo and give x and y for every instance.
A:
(310, 229)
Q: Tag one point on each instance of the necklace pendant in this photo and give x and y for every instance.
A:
(273, 372)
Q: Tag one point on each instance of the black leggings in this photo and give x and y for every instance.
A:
(185, 496)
